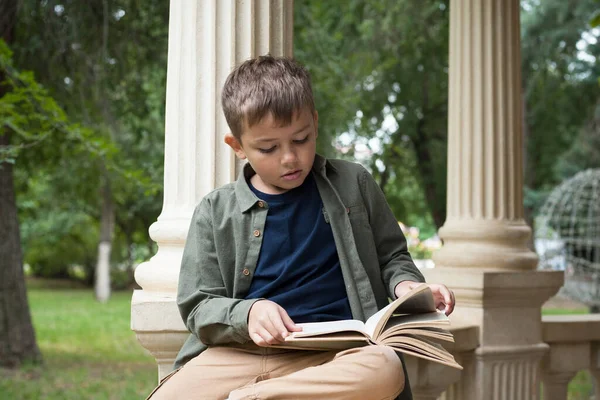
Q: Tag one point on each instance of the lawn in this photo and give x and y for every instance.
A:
(88, 348)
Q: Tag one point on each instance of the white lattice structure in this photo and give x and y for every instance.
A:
(568, 235)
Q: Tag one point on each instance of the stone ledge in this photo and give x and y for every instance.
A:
(492, 289)
(571, 328)
(155, 312)
(466, 338)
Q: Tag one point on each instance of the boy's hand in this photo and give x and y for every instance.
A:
(269, 323)
(443, 297)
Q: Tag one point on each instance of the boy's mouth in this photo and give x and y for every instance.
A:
(290, 176)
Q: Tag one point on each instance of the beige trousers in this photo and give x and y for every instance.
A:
(252, 372)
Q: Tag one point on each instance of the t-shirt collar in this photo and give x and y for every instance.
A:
(246, 197)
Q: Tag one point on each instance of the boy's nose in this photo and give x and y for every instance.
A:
(289, 157)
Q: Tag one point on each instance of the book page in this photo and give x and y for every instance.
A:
(421, 301)
(450, 363)
(371, 323)
(322, 328)
(328, 341)
(420, 345)
(430, 319)
(434, 333)
(418, 300)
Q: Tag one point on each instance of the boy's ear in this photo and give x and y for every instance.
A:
(235, 144)
(316, 119)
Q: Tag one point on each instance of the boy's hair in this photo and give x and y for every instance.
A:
(265, 85)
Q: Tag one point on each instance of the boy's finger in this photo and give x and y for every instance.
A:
(265, 338)
(287, 321)
(258, 340)
(451, 304)
(442, 293)
(448, 299)
(277, 328)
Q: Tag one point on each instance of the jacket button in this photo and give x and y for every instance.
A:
(246, 271)
(261, 204)
(257, 233)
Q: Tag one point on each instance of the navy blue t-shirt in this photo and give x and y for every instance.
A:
(298, 266)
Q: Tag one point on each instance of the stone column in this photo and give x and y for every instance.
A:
(207, 38)
(485, 258)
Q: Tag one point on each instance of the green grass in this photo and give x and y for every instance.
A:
(88, 348)
(564, 311)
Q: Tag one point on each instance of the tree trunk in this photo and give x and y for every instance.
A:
(107, 224)
(425, 167)
(527, 172)
(17, 336)
(422, 147)
(385, 177)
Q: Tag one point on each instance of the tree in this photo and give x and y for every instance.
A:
(17, 336)
(559, 85)
(105, 62)
(584, 153)
(380, 78)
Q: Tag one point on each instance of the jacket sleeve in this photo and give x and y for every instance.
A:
(206, 307)
(392, 250)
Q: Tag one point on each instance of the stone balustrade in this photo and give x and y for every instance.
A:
(574, 346)
(574, 342)
(429, 380)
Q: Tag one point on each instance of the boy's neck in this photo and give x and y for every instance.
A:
(259, 185)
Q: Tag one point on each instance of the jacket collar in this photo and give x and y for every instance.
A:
(246, 197)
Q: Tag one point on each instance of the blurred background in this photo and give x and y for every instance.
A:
(82, 105)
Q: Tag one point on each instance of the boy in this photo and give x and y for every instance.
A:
(297, 238)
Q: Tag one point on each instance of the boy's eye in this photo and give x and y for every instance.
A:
(300, 141)
(265, 151)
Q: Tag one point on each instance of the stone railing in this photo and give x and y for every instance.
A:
(574, 342)
(430, 380)
(574, 346)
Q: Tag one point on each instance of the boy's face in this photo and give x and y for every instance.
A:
(282, 156)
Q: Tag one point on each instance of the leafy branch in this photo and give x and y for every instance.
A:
(29, 112)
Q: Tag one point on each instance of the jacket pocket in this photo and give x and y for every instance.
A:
(359, 218)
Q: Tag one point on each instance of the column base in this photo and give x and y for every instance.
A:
(483, 243)
(158, 327)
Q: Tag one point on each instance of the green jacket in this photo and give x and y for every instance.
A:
(224, 241)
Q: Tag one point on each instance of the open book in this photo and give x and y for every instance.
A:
(410, 325)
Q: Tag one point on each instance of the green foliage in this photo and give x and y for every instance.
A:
(104, 63)
(379, 71)
(95, 111)
(49, 239)
(584, 153)
(595, 21)
(560, 88)
(89, 349)
(28, 111)
(380, 79)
